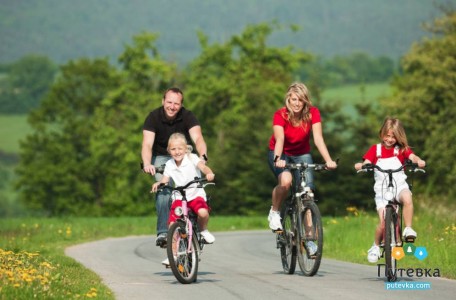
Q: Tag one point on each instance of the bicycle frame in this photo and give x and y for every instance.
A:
(300, 215)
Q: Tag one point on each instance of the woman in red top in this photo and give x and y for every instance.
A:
(290, 143)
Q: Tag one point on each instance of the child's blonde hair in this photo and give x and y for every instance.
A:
(398, 130)
(180, 137)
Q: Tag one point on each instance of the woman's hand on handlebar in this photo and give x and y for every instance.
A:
(331, 165)
(280, 163)
(210, 176)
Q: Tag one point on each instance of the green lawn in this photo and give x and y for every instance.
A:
(357, 93)
(349, 95)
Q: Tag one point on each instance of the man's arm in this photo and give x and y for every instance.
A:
(197, 138)
(146, 151)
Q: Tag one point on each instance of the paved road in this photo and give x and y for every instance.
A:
(239, 265)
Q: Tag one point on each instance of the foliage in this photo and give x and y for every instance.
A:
(339, 70)
(425, 101)
(57, 171)
(26, 81)
(82, 156)
(235, 87)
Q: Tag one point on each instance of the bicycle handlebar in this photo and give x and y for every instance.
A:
(202, 182)
(371, 167)
(299, 166)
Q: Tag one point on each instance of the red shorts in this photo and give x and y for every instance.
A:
(195, 205)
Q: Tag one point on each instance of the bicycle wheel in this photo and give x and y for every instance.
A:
(390, 242)
(310, 230)
(287, 240)
(183, 259)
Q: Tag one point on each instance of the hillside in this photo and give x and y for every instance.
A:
(64, 29)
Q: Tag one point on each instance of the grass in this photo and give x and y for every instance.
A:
(33, 264)
(357, 93)
(349, 95)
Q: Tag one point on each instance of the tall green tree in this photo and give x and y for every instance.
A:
(57, 172)
(234, 88)
(83, 156)
(425, 100)
(25, 84)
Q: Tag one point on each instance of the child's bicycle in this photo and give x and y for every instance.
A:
(302, 234)
(184, 242)
(392, 217)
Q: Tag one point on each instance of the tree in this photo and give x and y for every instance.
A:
(27, 81)
(57, 173)
(426, 102)
(83, 156)
(234, 88)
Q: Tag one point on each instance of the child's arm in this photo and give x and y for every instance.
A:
(358, 166)
(206, 171)
(164, 180)
(417, 160)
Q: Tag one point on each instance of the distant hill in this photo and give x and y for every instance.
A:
(67, 29)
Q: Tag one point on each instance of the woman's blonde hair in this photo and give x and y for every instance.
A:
(395, 125)
(303, 94)
(176, 137)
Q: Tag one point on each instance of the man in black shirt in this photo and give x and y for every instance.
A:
(171, 117)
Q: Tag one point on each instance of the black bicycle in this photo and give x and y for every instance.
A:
(302, 236)
(392, 217)
(184, 241)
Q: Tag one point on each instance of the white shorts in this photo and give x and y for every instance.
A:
(380, 202)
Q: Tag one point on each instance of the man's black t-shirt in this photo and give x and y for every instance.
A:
(156, 122)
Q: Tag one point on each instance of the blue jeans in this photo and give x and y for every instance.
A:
(305, 158)
(162, 202)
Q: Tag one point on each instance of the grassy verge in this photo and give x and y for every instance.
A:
(349, 238)
(33, 264)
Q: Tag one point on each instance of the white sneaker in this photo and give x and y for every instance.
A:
(409, 232)
(166, 262)
(274, 220)
(208, 237)
(373, 254)
(312, 247)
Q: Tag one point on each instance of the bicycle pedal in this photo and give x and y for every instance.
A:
(410, 239)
